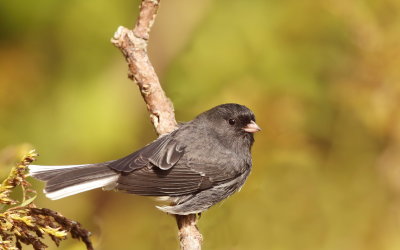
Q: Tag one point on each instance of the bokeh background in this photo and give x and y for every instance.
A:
(323, 78)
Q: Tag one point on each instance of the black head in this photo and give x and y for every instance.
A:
(232, 123)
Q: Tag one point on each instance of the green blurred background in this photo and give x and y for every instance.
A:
(323, 78)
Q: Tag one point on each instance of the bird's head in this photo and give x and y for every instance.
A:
(232, 123)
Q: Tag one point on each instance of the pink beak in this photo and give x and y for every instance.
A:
(252, 127)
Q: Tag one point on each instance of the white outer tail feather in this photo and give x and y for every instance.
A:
(75, 189)
(86, 186)
(38, 168)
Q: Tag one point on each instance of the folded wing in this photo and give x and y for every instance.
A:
(163, 153)
(182, 179)
(161, 169)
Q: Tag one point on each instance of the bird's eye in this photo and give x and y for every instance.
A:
(232, 121)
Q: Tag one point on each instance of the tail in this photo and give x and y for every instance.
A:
(63, 181)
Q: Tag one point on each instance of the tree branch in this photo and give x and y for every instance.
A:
(133, 45)
(189, 236)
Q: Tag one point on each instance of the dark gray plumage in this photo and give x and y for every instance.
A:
(196, 166)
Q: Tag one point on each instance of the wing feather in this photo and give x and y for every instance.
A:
(176, 181)
(163, 153)
(166, 168)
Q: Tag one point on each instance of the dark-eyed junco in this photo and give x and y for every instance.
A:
(194, 167)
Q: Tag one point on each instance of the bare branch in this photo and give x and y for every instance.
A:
(133, 45)
(189, 236)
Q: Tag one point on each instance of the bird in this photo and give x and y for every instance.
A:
(201, 163)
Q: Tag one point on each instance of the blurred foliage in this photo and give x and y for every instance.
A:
(322, 77)
(21, 222)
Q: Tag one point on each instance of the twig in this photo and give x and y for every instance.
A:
(133, 45)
